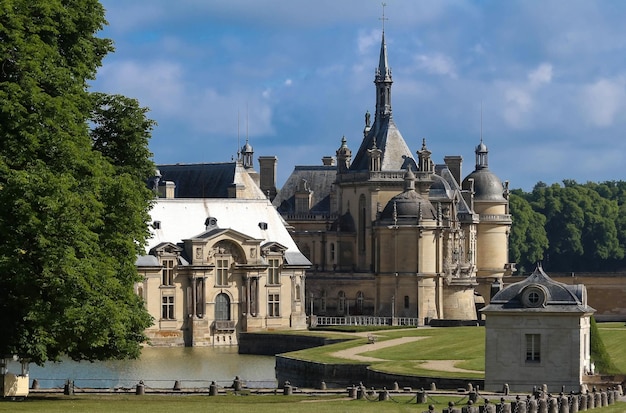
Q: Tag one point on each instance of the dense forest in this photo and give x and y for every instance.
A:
(569, 227)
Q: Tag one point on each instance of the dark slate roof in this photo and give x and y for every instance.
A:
(445, 187)
(556, 296)
(487, 186)
(147, 261)
(296, 258)
(320, 179)
(409, 207)
(345, 223)
(203, 180)
(396, 154)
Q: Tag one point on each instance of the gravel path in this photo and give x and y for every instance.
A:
(439, 365)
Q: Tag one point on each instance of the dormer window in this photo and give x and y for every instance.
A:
(534, 296)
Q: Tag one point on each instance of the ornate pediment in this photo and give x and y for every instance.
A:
(166, 248)
(273, 247)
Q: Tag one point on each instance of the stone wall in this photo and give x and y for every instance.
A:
(303, 373)
(268, 344)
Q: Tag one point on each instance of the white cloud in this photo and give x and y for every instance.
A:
(541, 75)
(157, 85)
(519, 98)
(603, 100)
(518, 104)
(437, 64)
(161, 86)
(288, 82)
(366, 40)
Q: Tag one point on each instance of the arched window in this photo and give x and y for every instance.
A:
(323, 301)
(360, 298)
(222, 307)
(341, 307)
(298, 293)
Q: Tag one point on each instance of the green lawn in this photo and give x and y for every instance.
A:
(460, 343)
(466, 344)
(230, 403)
(614, 338)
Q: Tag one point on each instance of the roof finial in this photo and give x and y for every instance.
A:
(384, 18)
(481, 121)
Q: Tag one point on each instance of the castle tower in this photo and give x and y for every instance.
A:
(489, 199)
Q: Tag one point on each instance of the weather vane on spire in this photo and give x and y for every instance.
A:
(384, 18)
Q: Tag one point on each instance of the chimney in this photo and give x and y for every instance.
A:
(328, 161)
(267, 165)
(167, 190)
(454, 164)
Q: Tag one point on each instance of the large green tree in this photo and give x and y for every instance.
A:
(73, 207)
(581, 227)
(528, 240)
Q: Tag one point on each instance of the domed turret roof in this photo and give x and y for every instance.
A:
(487, 186)
(247, 148)
(409, 205)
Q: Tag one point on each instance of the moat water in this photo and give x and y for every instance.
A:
(161, 368)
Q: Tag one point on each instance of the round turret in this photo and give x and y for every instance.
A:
(487, 186)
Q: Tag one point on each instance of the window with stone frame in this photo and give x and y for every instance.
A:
(168, 272)
(273, 305)
(533, 348)
(167, 307)
(341, 305)
(221, 271)
(360, 298)
(273, 271)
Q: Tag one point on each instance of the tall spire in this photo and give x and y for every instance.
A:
(383, 78)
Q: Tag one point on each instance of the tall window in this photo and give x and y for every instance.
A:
(323, 302)
(167, 307)
(221, 275)
(533, 348)
(273, 272)
(341, 307)
(168, 272)
(273, 305)
(406, 301)
(362, 219)
(359, 302)
(222, 307)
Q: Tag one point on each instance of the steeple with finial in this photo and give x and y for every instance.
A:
(383, 78)
(481, 150)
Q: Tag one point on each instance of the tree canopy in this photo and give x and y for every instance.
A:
(73, 204)
(585, 226)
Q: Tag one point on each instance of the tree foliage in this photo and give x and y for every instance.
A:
(585, 225)
(528, 240)
(72, 214)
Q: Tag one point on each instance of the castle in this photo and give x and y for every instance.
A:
(393, 235)
(380, 233)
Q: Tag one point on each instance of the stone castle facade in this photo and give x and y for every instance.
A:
(378, 232)
(392, 234)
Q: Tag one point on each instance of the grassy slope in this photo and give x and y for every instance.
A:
(459, 343)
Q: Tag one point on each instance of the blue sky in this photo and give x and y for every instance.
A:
(295, 76)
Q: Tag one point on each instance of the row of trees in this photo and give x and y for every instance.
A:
(569, 226)
(73, 202)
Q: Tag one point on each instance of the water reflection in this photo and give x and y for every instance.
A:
(160, 368)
